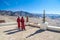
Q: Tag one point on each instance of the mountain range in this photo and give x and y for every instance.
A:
(23, 13)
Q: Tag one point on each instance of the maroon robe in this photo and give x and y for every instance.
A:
(27, 19)
(22, 23)
(18, 21)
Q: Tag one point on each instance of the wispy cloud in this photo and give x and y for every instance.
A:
(6, 3)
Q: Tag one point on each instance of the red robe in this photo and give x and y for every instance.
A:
(27, 19)
(18, 21)
(22, 23)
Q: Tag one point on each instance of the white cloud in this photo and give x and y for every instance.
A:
(6, 3)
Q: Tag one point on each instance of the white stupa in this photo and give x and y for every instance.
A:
(44, 24)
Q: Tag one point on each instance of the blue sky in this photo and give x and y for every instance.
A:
(33, 6)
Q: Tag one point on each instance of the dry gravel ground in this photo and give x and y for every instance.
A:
(53, 22)
(11, 32)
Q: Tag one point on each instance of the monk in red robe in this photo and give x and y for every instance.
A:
(27, 19)
(22, 23)
(18, 21)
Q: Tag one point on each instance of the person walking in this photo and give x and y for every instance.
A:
(22, 23)
(27, 19)
(18, 22)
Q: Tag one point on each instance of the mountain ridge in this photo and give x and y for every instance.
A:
(23, 13)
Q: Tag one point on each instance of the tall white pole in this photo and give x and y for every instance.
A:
(43, 16)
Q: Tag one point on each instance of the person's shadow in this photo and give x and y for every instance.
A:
(12, 31)
(38, 31)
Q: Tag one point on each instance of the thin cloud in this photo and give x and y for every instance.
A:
(6, 3)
